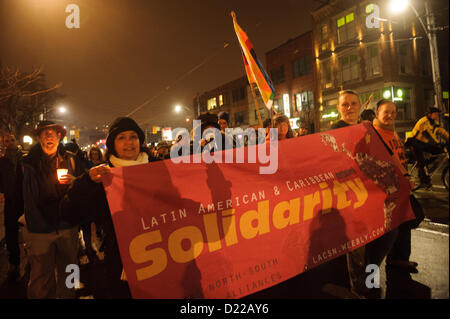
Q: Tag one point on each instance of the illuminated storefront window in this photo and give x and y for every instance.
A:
(304, 101)
(329, 114)
(287, 109)
(212, 103)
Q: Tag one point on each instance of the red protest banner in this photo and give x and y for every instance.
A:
(225, 231)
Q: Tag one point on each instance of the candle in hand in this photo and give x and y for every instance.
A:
(61, 172)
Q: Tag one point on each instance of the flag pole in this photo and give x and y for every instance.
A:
(369, 100)
(233, 15)
(256, 105)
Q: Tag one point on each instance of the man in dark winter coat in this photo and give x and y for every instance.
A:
(52, 243)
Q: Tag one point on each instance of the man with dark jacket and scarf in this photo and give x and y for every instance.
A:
(52, 243)
(11, 190)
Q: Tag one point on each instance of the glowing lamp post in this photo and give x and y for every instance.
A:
(187, 111)
(398, 6)
(61, 110)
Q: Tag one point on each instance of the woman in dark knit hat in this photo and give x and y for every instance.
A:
(125, 147)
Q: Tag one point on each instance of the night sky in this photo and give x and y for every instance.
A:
(127, 52)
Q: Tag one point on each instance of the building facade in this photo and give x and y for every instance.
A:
(236, 98)
(291, 68)
(358, 45)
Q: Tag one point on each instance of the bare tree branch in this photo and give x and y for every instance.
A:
(57, 86)
(23, 97)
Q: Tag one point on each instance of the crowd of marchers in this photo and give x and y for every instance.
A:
(52, 210)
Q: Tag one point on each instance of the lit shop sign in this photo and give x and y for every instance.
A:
(27, 139)
(393, 93)
(155, 130)
(167, 134)
(331, 115)
(286, 105)
(293, 123)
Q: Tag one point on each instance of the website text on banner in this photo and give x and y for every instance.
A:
(225, 231)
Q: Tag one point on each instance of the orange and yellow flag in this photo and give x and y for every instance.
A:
(253, 68)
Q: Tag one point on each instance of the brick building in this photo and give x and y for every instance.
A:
(291, 68)
(387, 57)
(234, 97)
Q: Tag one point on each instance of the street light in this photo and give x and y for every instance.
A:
(61, 109)
(188, 112)
(397, 6)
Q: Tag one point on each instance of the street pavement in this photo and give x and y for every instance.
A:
(430, 249)
(430, 241)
